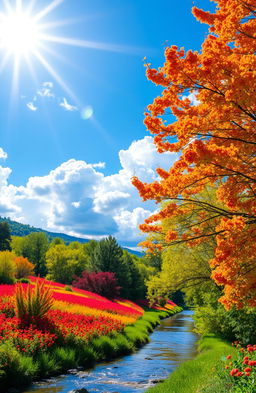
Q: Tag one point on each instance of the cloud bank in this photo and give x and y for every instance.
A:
(78, 199)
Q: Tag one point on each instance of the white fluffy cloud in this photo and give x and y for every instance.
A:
(8, 192)
(77, 198)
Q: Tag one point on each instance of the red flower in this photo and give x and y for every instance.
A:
(233, 371)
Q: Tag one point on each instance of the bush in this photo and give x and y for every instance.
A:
(7, 267)
(24, 280)
(86, 355)
(103, 283)
(15, 369)
(65, 357)
(231, 325)
(239, 372)
(34, 302)
(24, 268)
(68, 288)
(104, 346)
(47, 365)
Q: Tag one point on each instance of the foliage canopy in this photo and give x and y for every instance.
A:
(211, 94)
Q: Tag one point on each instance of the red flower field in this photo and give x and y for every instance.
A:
(75, 315)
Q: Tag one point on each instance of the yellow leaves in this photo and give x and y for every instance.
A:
(231, 225)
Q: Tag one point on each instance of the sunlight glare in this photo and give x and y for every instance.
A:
(25, 35)
(18, 33)
(87, 112)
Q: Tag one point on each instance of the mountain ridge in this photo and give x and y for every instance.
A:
(18, 229)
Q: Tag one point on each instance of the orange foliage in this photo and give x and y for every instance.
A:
(212, 97)
(24, 268)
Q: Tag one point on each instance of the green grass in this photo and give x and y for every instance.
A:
(198, 375)
(64, 357)
(22, 369)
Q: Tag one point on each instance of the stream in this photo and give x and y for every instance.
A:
(172, 342)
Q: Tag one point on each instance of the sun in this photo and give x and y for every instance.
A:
(19, 33)
(27, 37)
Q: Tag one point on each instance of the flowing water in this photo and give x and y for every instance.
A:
(172, 342)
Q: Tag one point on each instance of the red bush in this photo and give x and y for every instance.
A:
(103, 283)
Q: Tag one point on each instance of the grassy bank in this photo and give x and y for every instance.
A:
(198, 375)
(23, 369)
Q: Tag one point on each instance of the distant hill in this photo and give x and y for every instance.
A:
(18, 229)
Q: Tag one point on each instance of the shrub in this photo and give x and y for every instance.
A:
(68, 288)
(103, 283)
(231, 325)
(24, 280)
(65, 357)
(240, 372)
(24, 268)
(15, 369)
(7, 267)
(47, 365)
(123, 345)
(86, 355)
(34, 302)
(104, 346)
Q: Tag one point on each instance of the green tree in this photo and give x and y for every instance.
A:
(33, 247)
(89, 249)
(64, 263)
(107, 255)
(5, 236)
(130, 278)
(187, 269)
(17, 245)
(183, 269)
(124, 276)
(153, 259)
(56, 240)
(7, 267)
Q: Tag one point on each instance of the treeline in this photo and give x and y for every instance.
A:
(71, 263)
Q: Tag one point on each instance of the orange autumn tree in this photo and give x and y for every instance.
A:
(24, 268)
(211, 95)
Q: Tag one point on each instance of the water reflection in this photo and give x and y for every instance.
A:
(171, 343)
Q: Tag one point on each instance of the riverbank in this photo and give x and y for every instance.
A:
(24, 370)
(172, 342)
(198, 375)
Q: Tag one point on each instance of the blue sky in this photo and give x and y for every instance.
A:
(49, 147)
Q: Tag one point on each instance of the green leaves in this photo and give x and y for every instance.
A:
(33, 302)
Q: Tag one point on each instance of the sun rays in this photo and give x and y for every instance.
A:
(26, 36)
